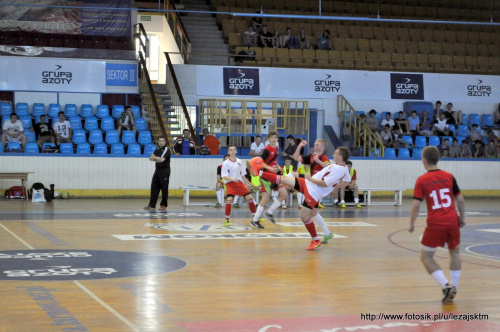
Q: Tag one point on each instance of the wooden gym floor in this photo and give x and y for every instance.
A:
(107, 265)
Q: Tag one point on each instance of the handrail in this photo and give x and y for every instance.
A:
(178, 29)
(179, 95)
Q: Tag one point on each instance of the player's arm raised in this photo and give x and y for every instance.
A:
(296, 155)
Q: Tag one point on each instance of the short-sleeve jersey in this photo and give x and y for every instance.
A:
(270, 156)
(438, 188)
(314, 166)
(332, 175)
(352, 173)
(62, 128)
(234, 169)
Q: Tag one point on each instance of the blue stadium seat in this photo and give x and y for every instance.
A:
(66, 148)
(117, 148)
(22, 109)
(140, 124)
(377, 153)
(70, 110)
(487, 120)
(389, 153)
(101, 148)
(408, 139)
(54, 109)
(434, 141)
(464, 119)
(112, 137)
(91, 123)
(453, 131)
(48, 144)
(79, 136)
(460, 139)
(102, 111)
(474, 119)
(417, 153)
(420, 141)
(13, 145)
(134, 149)
(149, 148)
(38, 109)
(107, 123)
(75, 122)
(26, 120)
(30, 136)
(486, 140)
(86, 111)
(128, 137)
(95, 136)
(83, 148)
(462, 131)
(116, 111)
(403, 153)
(5, 109)
(31, 148)
(1, 147)
(136, 111)
(144, 137)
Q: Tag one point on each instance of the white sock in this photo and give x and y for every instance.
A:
(335, 201)
(440, 278)
(274, 206)
(300, 198)
(258, 213)
(342, 202)
(220, 193)
(318, 219)
(455, 277)
(356, 200)
(236, 200)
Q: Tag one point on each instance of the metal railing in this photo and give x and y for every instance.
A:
(355, 129)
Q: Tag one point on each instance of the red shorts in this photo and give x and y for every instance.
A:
(311, 202)
(437, 236)
(236, 189)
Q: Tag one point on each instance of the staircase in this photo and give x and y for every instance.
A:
(169, 119)
(204, 35)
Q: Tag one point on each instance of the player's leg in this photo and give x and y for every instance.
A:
(283, 194)
(251, 203)
(455, 270)
(219, 190)
(278, 179)
(335, 196)
(433, 268)
(318, 219)
(155, 191)
(305, 215)
(356, 195)
(164, 177)
(260, 208)
(342, 196)
(229, 203)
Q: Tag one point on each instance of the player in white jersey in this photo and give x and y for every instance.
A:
(314, 187)
(233, 173)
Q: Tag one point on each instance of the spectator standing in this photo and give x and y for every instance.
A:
(184, 145)
(211, 142)
(126, 121)
(43, 132)
(13, 131)
(62, 130)
(290, 150)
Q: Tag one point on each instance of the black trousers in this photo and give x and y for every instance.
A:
(160, 182)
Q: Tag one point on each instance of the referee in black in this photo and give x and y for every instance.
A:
(161, 157)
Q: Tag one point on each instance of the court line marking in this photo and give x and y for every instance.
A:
(101, 302)
(46, 234)
(86, 290)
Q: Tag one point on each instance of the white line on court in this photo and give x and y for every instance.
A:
(17, 237)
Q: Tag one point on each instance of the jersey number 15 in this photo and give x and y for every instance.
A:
(443, 201)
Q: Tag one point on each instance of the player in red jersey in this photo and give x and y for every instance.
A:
(270, 156)
(443, 224)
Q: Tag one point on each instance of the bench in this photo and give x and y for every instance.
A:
(186, 190)
(22, 176)
(367, 192)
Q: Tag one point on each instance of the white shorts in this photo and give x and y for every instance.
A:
(13, 139)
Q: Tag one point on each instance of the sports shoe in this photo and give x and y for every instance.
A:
(314, 244)
(449, 293)
(358, 205)
(147, 207)
(321, 206)
(256, 224)
(226, 222)
(236, 205)
(337, 204)
(327, 238)
(284, 206)
(162, 208)
(218, 205)
(342, 205)
(270, 217)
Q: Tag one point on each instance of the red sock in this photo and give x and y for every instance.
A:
(273, 178)
(228, 208)
(311, 228)
(251, 205)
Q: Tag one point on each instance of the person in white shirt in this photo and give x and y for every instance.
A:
(13, 131)
(234, 175)
(387, 120)
(62, 130)
(313, 187)
(256, 147)
(441, 126)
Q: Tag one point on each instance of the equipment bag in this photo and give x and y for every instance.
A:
(15, 192)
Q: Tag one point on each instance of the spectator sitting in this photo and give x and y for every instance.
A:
(478, 150)
(387, 120)
(454, 117)
(126, 121)
(265, 37)
(402, 123)
(290, 150)
(386, 136)
(496, 115)
(303, 40)
(43, 132)
(277, 39)
(465, 151)
(324, 41)
(211, 142)
(399, 142)
(444, 146)
(437, 111)
(256, 147)
(441, 126)
(426, 124)
(414, 123)
(474, 134)
(13, 131)
(289, 40)
(257, 23)
(372, 122)
(454, 149)
(490, 150)
(250, 37)
(184, 145)
(62, 130)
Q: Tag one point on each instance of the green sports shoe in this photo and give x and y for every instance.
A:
(327, 238)
(226, 222)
